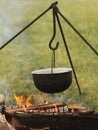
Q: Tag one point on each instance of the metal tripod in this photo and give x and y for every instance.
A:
(56, 14)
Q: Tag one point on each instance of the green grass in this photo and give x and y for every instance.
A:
(30, 51)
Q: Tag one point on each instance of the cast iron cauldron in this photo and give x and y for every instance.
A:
(55, 82)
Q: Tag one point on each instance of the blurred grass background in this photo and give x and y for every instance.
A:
(30, 51)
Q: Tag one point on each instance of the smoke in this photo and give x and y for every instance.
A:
(5, 89)
(12, 16)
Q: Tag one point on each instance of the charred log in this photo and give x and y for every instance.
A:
(58, 121)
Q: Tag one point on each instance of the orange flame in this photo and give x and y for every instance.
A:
(72, 110)
(56, 109)
(23, 102)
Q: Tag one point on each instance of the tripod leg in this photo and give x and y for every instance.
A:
(78, 33)
(61, 30)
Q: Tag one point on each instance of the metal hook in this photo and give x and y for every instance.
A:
(54, 31)
(53, 48)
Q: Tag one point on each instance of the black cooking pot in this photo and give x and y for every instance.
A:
(55, 82)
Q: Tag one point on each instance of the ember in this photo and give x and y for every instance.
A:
(56, 109)
(72, 110)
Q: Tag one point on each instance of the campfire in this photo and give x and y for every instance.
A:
(24, 106)
(58, 115)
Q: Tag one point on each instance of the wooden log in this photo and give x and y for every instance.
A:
(57, 121)
(4, 125)
(34, 107)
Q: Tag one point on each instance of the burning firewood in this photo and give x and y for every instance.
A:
(34, 107)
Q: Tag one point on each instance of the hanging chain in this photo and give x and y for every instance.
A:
(53, 61)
